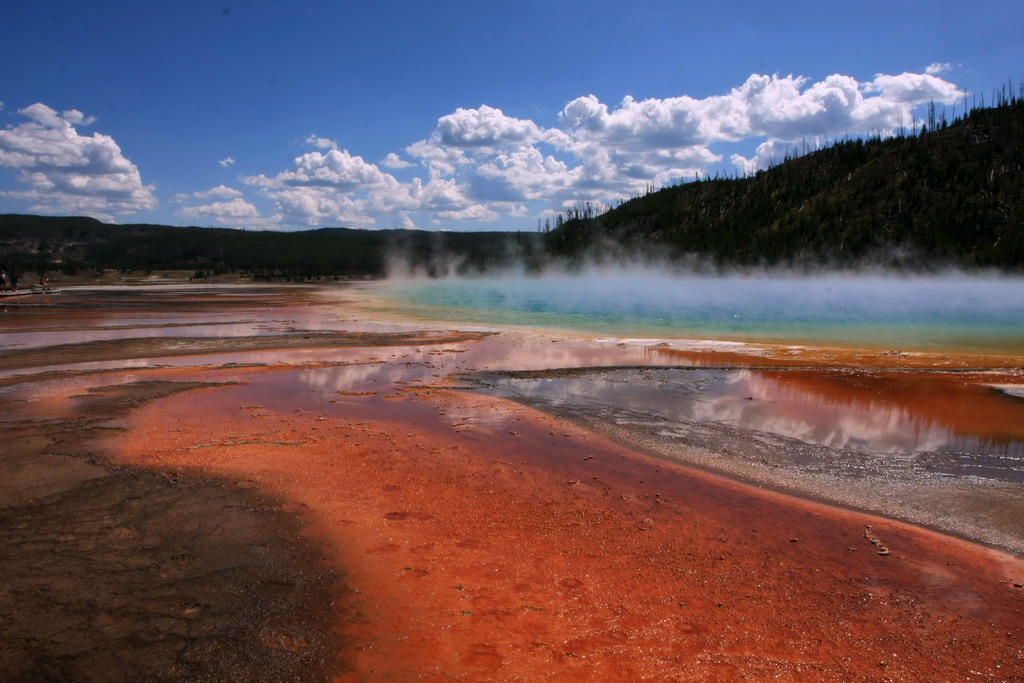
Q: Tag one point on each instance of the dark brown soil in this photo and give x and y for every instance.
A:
(120, 574)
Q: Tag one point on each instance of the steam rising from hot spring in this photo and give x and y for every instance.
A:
(952, 308)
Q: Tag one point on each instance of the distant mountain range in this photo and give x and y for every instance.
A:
(949, 195)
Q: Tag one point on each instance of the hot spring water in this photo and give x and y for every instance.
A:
(927, 313)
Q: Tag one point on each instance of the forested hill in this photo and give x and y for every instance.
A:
(73, 244)
(951, 195)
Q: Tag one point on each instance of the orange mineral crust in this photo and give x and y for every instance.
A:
(769, 355)
(962, 402)
(478, 539)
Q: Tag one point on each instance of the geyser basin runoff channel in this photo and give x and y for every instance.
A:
(928, 313)
(938, 448)
(978, 431)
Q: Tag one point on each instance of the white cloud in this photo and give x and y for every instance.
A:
(392, 160)
(672, 122)
(339, 188)
(221, 191)
(68, 172)
(837, 106)
(780, 109)
(336, 168)
(769, 153)
(321, 143)
(75, 116)
(325, 187)
(236, 208)
(319, 206)
(915, 88)
(481, 164)
(484, 127)
(938, 68)
(521, 175)
(236, 213)
(226, 162)
(476, 212)
(233, 211)
(597, 154)
(440, 160)
(665, 138)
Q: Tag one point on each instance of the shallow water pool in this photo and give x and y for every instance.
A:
(929, 313)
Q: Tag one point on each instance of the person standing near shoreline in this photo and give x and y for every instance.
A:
(14, 281)
(3, 280)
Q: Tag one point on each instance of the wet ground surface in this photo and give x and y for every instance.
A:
(943, 449)
(321, 508)
(121, 574)
(115, 572)
(485, 541)
(862, 412)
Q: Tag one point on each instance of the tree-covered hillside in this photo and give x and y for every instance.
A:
(949, 195)
(71, 244)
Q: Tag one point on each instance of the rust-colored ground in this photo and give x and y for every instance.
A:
(445, 535)
(962, 402)
(482, 541)
(839, 357)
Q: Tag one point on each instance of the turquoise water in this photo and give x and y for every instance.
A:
(928, 313)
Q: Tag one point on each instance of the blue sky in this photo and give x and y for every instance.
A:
(452, 115)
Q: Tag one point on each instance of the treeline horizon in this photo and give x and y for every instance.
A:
(949, 195)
